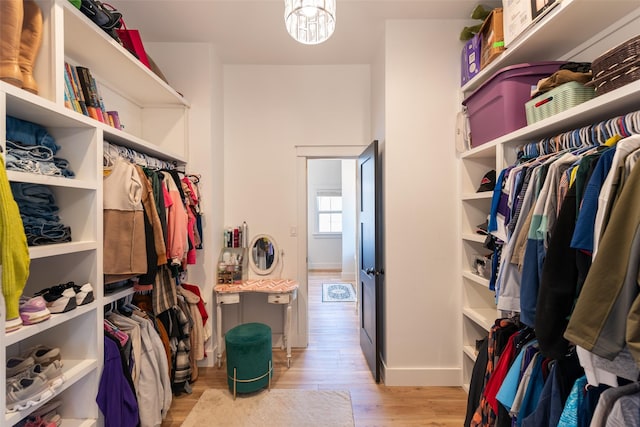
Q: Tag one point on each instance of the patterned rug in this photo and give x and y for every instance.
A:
(278, 407)
(338, 292)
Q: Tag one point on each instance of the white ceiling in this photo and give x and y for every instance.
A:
(253, 31)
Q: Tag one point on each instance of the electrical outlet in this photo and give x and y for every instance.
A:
(293, 231)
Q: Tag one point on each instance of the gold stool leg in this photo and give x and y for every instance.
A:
(234, 383)
(270, 372)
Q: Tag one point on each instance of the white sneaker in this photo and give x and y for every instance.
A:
(11, 325)
(84, 294)
(27, 392)
(51, 374)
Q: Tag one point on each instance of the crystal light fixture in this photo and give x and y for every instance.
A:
(310, 21)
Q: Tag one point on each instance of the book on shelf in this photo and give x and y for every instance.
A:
(68, 97)
(82, 94)
(74, 90)
(115, 119)
(90, 95)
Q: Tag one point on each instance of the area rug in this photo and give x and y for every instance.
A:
(277, 407)
(338, 292)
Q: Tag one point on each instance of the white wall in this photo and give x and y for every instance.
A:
(324, 252)
(268, 111)
(349, 241)
(422, 311)
(195, 71)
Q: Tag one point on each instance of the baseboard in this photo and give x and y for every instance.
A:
(325, 266)
(422, 377)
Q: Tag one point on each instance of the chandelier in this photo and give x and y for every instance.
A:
(310, 21)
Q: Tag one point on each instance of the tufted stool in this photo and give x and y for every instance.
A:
(248, 357)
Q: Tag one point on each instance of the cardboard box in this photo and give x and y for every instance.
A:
(518, 15)
(491, 37)
(470, 60)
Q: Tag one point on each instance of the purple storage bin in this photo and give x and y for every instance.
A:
(497, 106)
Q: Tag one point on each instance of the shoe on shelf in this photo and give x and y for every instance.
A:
(35, 421)
(33, 310)
(49, 412)
(51, 374)
(59, 298)
(11, 325)
(26, 393)
(16, 365)
(84, 294)
(45, 355)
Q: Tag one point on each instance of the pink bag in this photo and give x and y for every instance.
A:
(133, 43)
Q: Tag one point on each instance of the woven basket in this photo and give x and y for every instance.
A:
(556, 100)
(617, 78)
(617, 57)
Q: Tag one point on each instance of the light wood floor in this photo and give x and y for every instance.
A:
(333, 361)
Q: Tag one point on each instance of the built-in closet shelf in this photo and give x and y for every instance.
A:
(569, 24)
(477, 196)
(118, 137)
(25, 105)
(484, 151)
(73, 370)
(27, 331)
(32, 178)
(61, 248)
(617, 102)
(470, 352)
(472, 237)
(476, 279)
(157, 124)
(126, 75)
(484, 317)
(110, 298)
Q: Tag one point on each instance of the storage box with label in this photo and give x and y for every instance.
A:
(470, 60)
(497, 106)
(491, 37)
(518, 15)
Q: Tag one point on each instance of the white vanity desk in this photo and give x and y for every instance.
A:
(279, 291)
(263, 258)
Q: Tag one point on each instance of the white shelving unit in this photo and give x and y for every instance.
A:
(595, 27)
(156, 122)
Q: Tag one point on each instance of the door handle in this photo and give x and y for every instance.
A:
(370, 271)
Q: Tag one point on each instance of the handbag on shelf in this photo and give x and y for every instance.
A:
(109, 19)
(132, 41)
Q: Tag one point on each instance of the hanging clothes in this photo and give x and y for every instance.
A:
(14, 253)
(116, 397)
(124, 250)
(607, 311)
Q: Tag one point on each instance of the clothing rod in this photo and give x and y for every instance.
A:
(594, 134)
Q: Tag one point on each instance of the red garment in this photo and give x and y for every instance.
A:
(196, 290)
(497, 377)
(191, 201)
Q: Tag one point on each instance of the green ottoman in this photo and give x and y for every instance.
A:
(248, 357)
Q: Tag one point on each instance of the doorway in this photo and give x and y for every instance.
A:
(331, 211)
(310, 292)
(367, 277)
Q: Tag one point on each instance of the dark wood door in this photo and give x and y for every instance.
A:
(371, 273)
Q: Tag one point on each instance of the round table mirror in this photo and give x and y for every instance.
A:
(264, 254)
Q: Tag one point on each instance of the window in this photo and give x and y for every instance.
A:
(329, 211)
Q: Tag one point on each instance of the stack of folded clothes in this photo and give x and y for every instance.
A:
(30, 148)
(39, 214)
